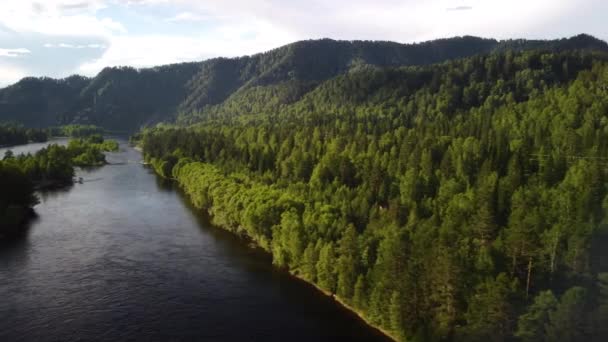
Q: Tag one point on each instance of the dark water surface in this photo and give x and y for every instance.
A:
(123, 257)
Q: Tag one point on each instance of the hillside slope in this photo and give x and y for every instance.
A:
(461, 201)
(124, 98)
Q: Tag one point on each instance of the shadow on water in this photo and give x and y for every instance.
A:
(16, 238)
(228, 240)
(93, 168)
(304, 297)
(164, 184)
(50, 193)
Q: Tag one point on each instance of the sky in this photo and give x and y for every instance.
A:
(58, 38)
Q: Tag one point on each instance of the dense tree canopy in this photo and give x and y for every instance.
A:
(454, 201)
(13, 134)
(76, 131)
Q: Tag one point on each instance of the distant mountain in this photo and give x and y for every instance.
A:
(40, 102)
(125, 98)
(117, 98)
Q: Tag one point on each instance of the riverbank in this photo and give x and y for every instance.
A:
(203, 202)
(343, 304)
(52, 167)
(135, 248)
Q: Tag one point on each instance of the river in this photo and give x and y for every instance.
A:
(33, 147)
(123, 256)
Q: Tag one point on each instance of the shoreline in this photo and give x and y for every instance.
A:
(250, 243)
(344, 305)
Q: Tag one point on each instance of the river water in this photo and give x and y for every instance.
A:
(123, 256)
(33, 147)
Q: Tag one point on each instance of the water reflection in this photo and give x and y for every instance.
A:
(165, 185)
(16, 244)
(48, 194)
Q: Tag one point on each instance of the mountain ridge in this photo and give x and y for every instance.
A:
(122, 98)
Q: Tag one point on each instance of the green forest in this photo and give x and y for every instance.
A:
(75, 131)
(448, 190)
(15, 134)
(463, 200)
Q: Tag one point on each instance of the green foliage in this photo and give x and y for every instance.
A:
(532, 324)
(19, 176)
(359, 296)
(13, 134)
(396, 316)
(347, 263)
(568, 322)
(79, 131)
(490, 310)
(436, 199)
(441, 202)
(41, 102)
(600, 316)
(109, 146)
(326, 270)
(89, 151)
(52, 166)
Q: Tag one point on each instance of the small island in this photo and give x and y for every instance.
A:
(51, 167)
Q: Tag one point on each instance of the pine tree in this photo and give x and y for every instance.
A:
(347, 263)
(600, 316)
(360, 296)
(309, 263)
(531, 325)
(568, 322)
(396, 316)
(326, 268)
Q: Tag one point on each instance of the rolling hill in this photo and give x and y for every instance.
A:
(125, 98)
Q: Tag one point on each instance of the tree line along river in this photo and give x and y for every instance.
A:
(123, 256)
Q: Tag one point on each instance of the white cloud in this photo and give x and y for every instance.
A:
(460, 8)
(72, 46)
(58, 17)
(184, 30)
(96, 46)
(187, 16)
(80, 5)
(399, 20)
(151, 50)
(14, 52)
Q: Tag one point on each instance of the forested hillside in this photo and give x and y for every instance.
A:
(40, 102)
(124, 99)
(119, 99)
(464, 200)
